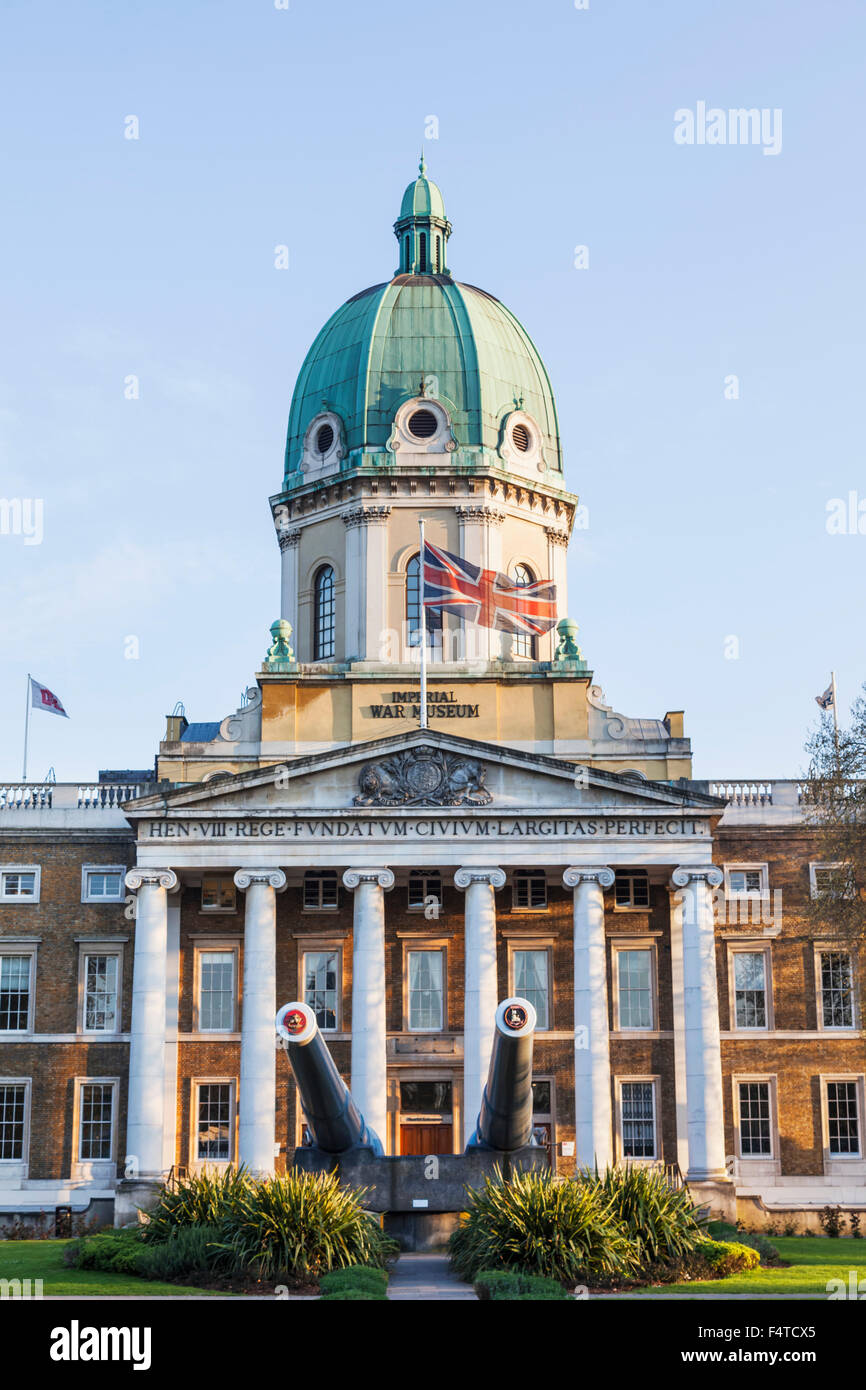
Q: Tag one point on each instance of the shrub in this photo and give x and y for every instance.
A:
(497, 1284)
(854, 1221)
(767, 1251)
(189, 1250)
(365, 1277)
(355, 1295)
(832, 1221)
(539, 1224)
(301, 1225)
(117, 1252)
(661, 1221)
(199, 1200)
(724, 1258)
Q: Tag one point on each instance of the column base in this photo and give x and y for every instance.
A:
(134, 1198)
(717, 1196)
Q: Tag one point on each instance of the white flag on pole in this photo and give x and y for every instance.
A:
(43, 698)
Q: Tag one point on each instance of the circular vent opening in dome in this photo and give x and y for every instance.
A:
(423, 424)
(520, 436)
(324, 438)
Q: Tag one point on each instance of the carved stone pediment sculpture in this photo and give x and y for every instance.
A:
(423, 777)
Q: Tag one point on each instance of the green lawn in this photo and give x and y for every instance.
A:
(43, 1259)
(813, 1260)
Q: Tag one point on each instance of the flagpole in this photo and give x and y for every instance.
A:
(421, 588)
(26, 728)
(835, 709)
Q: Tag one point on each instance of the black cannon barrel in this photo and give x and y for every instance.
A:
(505, 1120)
(335, 1122)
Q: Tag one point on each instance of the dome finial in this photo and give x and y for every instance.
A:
(422, 164)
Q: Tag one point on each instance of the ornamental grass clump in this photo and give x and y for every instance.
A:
(661, 1221)
(199, 1200)
(540, 1224)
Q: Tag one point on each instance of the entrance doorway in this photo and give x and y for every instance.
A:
(426, 1117)
(426, 1139)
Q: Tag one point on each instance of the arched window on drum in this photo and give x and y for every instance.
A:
(523, 643)
(413, 611)
(324, 615)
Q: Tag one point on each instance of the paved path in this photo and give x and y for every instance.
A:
(426, 1276)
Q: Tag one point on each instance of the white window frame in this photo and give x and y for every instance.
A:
(519, 874)
(748, 894)
(13, 948)
(93, 1168)
(631, 905)
(652, 1080)
(835, 1164)
(220, 947)
(312, 948)
(88, 869)
(13, 898)
(753, 1163)
(827, 864)
(99, 948)
(424, 877)
(18, 1168)
(751, 947)
(440, 946)
(636, 943)
(548, 1117)
(530, 944)
(214, 910)
(828, 948)
(320, 906)
(198, 1164)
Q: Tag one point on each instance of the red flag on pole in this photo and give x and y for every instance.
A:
(43, 698)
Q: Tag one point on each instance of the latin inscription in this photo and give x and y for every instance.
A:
(483, 827)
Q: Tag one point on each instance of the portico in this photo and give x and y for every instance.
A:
(348, 821)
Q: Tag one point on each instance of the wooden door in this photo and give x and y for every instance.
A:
(426, 1139)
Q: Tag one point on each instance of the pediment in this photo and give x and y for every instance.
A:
(425, 770)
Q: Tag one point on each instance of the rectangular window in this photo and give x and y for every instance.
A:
(321, 893)
(635, 993)
(216, 991)
(102, 883)
(750, 989)
(100, 994)
(746, 880)
(426, 1011)
(843, 1119)
(19, 883)
(529, 893)
(531, 980)
(218, 893)
(14, 993)
(756, 1136)
(213, 1122)
(638, 1119)
(837, 990)
(831, 881)
(321, 971)
(96, 1119)
(425, 892)
(631, 890)
(13, 1111)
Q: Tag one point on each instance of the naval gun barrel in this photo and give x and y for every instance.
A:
(505, 1119)
(334, 1120)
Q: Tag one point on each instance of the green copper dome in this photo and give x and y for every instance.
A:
(423, 333)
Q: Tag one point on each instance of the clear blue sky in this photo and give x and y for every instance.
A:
(261, 126)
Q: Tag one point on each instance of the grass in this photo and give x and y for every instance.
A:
(813, 1260)
(43, 1259)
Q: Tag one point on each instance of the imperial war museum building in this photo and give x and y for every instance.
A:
(318, 844)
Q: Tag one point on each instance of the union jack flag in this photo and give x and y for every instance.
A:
(486, 597)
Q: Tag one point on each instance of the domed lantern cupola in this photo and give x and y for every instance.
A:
(422, 229)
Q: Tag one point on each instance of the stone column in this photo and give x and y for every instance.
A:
(704, 1102)
(258, 1081)
(480, 542)
(369, 1019)
(557, 569)
(592, 1100)
(366, 581)
(146, 1090)
(482, 989)
(289, 549)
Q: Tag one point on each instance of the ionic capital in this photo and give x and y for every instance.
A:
(576, 874)
(275, 878)
(466, 876)
(152, 878)
(353, 878)
(701, 873)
